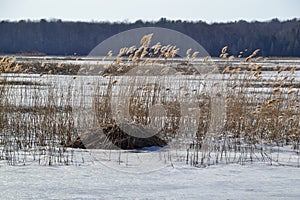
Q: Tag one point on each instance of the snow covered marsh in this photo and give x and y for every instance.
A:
(232, 133)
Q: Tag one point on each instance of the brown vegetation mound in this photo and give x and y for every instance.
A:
(113, 137)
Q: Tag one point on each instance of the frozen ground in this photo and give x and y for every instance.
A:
(150, 175)
(144, 176)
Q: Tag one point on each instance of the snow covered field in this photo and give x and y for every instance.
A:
(151, 178)
(145, 174)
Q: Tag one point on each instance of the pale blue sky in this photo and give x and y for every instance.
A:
(132, 10)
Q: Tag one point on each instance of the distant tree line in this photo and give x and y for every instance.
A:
(55, 37)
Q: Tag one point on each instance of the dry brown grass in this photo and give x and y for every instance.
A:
(256, 118)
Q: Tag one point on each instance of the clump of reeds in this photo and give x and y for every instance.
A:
(13, 65)
(34, 126)
(260, 111)
(262, 114)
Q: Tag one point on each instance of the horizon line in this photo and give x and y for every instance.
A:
(126, 21)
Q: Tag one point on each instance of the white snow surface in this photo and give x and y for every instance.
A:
(101, 178)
